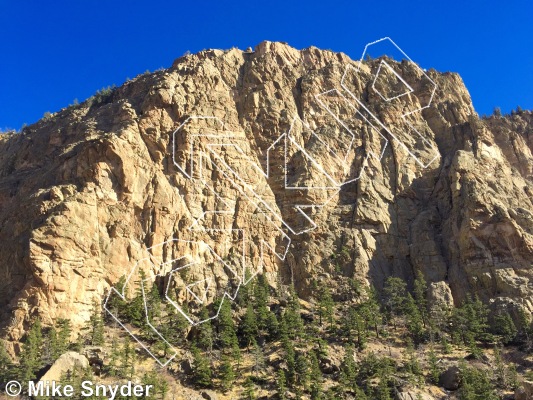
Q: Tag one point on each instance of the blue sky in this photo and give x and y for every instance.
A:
(54, 52)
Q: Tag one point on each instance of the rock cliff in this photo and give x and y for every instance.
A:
(392, 183)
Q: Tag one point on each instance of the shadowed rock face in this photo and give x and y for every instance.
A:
(84, 193)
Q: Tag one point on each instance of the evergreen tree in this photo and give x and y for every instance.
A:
(205, 331)
(248, 326)
(525, 330)
(127, 360)
(434, 369)
(290, 358)
(315, 376)
(114, 357)
(245, 291)
(259, 359)
(281, 384)
(6, 365)
(96, 326)
(395, 296)
(30, 356)
(227, 334)
(249, 389)
(272, 326)
(226, 373)
(476, 384)
(470, 322)
(412, 365)
(383, 391)
(292, 315)
(370, 310)
(355, 326)
(135, 310)
(325, 306)
(504, 327)
(420, 297)
(302, 370)
(260, 303)
(415, 323)
(153, 303)
(52, 344)
(348, 370)
(64, 331)
(201, 369)
(115, 303)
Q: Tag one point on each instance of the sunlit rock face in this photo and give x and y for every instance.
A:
(309, 166)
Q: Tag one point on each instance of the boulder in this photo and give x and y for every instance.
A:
(209, 395)
(66, 362)
(439, 296)
(450, 379)
(524, 391)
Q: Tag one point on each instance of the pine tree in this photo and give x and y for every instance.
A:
(6, 365)
(245, 291)
(201, 370)
(30, 356)
(348, 369)
(325, 305)
(383, 391)
(52, 343)
(395, 296)
(469, 322)
(293, 318)
(113, 366)
(272, 326)
(354, 325)
(504, 327)
(420, 297)
(64, 331)
(412, 364)
(226, 326)
(126, 360)
(226, 373)
(281, 384)
(302, 370)
(290, 359)
(248, 326)
(260, 303)
(205, 331)
(96, 326)
(259, 359)
(371, 311)
(434, 369)
(249, 389)
(135, 310)
(154, 302)
(315, 376)
(415, 323)
(476, 384)
(115, 303)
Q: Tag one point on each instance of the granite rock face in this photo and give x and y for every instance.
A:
(85, 192)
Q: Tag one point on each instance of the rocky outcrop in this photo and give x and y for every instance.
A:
(87, 191)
